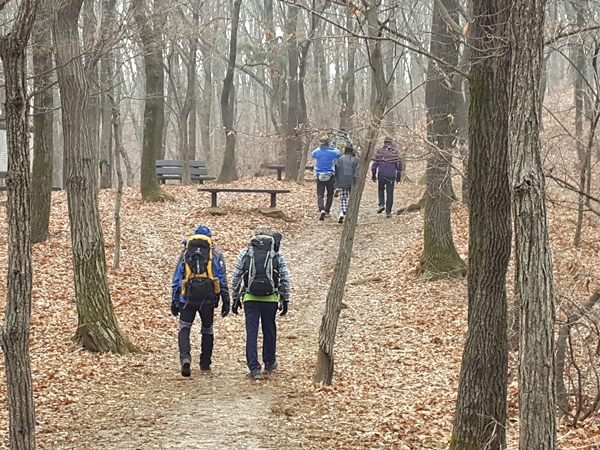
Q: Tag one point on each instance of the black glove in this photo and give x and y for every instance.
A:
(284, 308)
(226, 306)
(237, 302)
(217, 297)
(175, 306)
(374, 178)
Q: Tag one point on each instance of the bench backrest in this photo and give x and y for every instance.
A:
(175, 172)
(174, 163)
(2, 174)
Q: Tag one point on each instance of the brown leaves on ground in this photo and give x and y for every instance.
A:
(398, 347)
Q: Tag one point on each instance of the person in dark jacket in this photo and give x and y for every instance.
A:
(387, 168)
(345, 170)
(260, 309)
(325, 159)
(205, 307)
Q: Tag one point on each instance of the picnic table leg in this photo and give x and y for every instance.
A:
(213, 199)
(273, 199)
(279, 175)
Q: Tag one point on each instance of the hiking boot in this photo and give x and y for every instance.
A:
(269, 368)
(185, 368)
(381, 209)
(336, 193)
(341, 218)
(327, 214)
(322, 215)
(255, 374)
(388, 215)
(204, 367)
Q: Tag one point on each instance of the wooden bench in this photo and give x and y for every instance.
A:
(215, 191)
(280, 169)
(3, 188)
(167, 169)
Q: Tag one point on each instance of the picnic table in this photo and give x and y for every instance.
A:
(214, 191)
(281, 168)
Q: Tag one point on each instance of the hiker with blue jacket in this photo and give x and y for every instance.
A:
(325, 159)
(261, 283)
(387, 168)
(199, 294)
(345, 169)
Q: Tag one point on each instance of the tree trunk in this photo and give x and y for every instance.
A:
(293, 144)
(106, 82)
(97, 326)
(533, 262)
(347, 93)
(154, 111)
(14, 335)
(90, 62)
(440, 258)
(206, 104)
(325, 360)
(116, 121)
(229, 167)
(43, 132)
(481, 409)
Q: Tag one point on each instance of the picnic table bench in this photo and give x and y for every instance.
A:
(168, 169)
(215, 191)
(281, 168)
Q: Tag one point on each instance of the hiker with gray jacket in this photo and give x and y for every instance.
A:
(345, 170)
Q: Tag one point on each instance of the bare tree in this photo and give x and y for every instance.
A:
(481, 409)
(533, 262)
(43, 140)
(333, 304)
(14, 335)
(97, 325)
(229, 167)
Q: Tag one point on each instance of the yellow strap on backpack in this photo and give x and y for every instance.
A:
(209, 273)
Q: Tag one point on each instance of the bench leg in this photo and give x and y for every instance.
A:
(279, 174)
(273, 199)
(213, 199)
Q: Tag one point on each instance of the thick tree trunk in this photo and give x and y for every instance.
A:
(329, 322)
(14, 335)
(43, 132)
(481, 409)
(440, 258)
(229, 167)
(97, 326)
(154, 111)
(533, 262)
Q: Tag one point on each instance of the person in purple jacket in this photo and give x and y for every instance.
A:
(387, 168)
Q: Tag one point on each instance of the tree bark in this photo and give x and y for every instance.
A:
(14, 335)
(116, 121)
(533, 262)
(229, 167)
(333, 304)
(154, 111)
(440, 258)
(481, 409)
(293, 143)
(43, 132)
(97, 325)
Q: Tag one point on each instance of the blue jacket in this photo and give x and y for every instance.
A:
(325, 159)
(219, 270)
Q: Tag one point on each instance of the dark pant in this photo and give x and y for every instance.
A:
(263, 312)
(186, 319)
(321, 186)
(386, 187)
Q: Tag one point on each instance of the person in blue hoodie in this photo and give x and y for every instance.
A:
(387, 168)
(187, 309)
(325, 159)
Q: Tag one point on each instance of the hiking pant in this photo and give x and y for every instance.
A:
(321, 186)
(187, 315)
(344, 194)
(386, 187)
(263, 312)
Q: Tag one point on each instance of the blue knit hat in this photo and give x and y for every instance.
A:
(204, 230)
